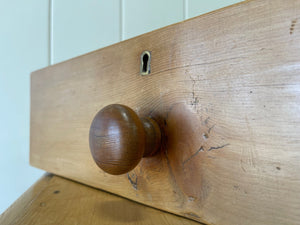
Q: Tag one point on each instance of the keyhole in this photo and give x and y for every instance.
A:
(145, 63)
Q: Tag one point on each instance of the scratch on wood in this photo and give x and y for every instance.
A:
(218, 147)
(209, 129)
(205, 136)
(241, 162)
(192, 156)
(195, 216)
(195, 100)
(133, 182)
(190, 214)
(206, 120)
(293, 26)
(191, 199)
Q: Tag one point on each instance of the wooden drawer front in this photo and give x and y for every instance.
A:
(225, 90)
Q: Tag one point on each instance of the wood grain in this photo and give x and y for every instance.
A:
(55, 200)
(225, 89)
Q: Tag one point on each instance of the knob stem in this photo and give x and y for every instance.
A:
(153, 136)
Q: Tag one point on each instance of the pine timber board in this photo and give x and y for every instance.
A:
(225, 89)
(55, 200)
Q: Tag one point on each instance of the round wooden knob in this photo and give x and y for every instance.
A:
(119, 139)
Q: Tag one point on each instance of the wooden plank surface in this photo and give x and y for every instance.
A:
(225, 89)
(55, 200)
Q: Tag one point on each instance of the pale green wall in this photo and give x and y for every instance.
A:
(36, 33)
(23, 48)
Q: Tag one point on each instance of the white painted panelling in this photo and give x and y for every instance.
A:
(24, 41)
(198, 7)
(79, 27)
(141, 16)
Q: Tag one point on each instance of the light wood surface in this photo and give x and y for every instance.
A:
(55, 200)
(225, 90)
